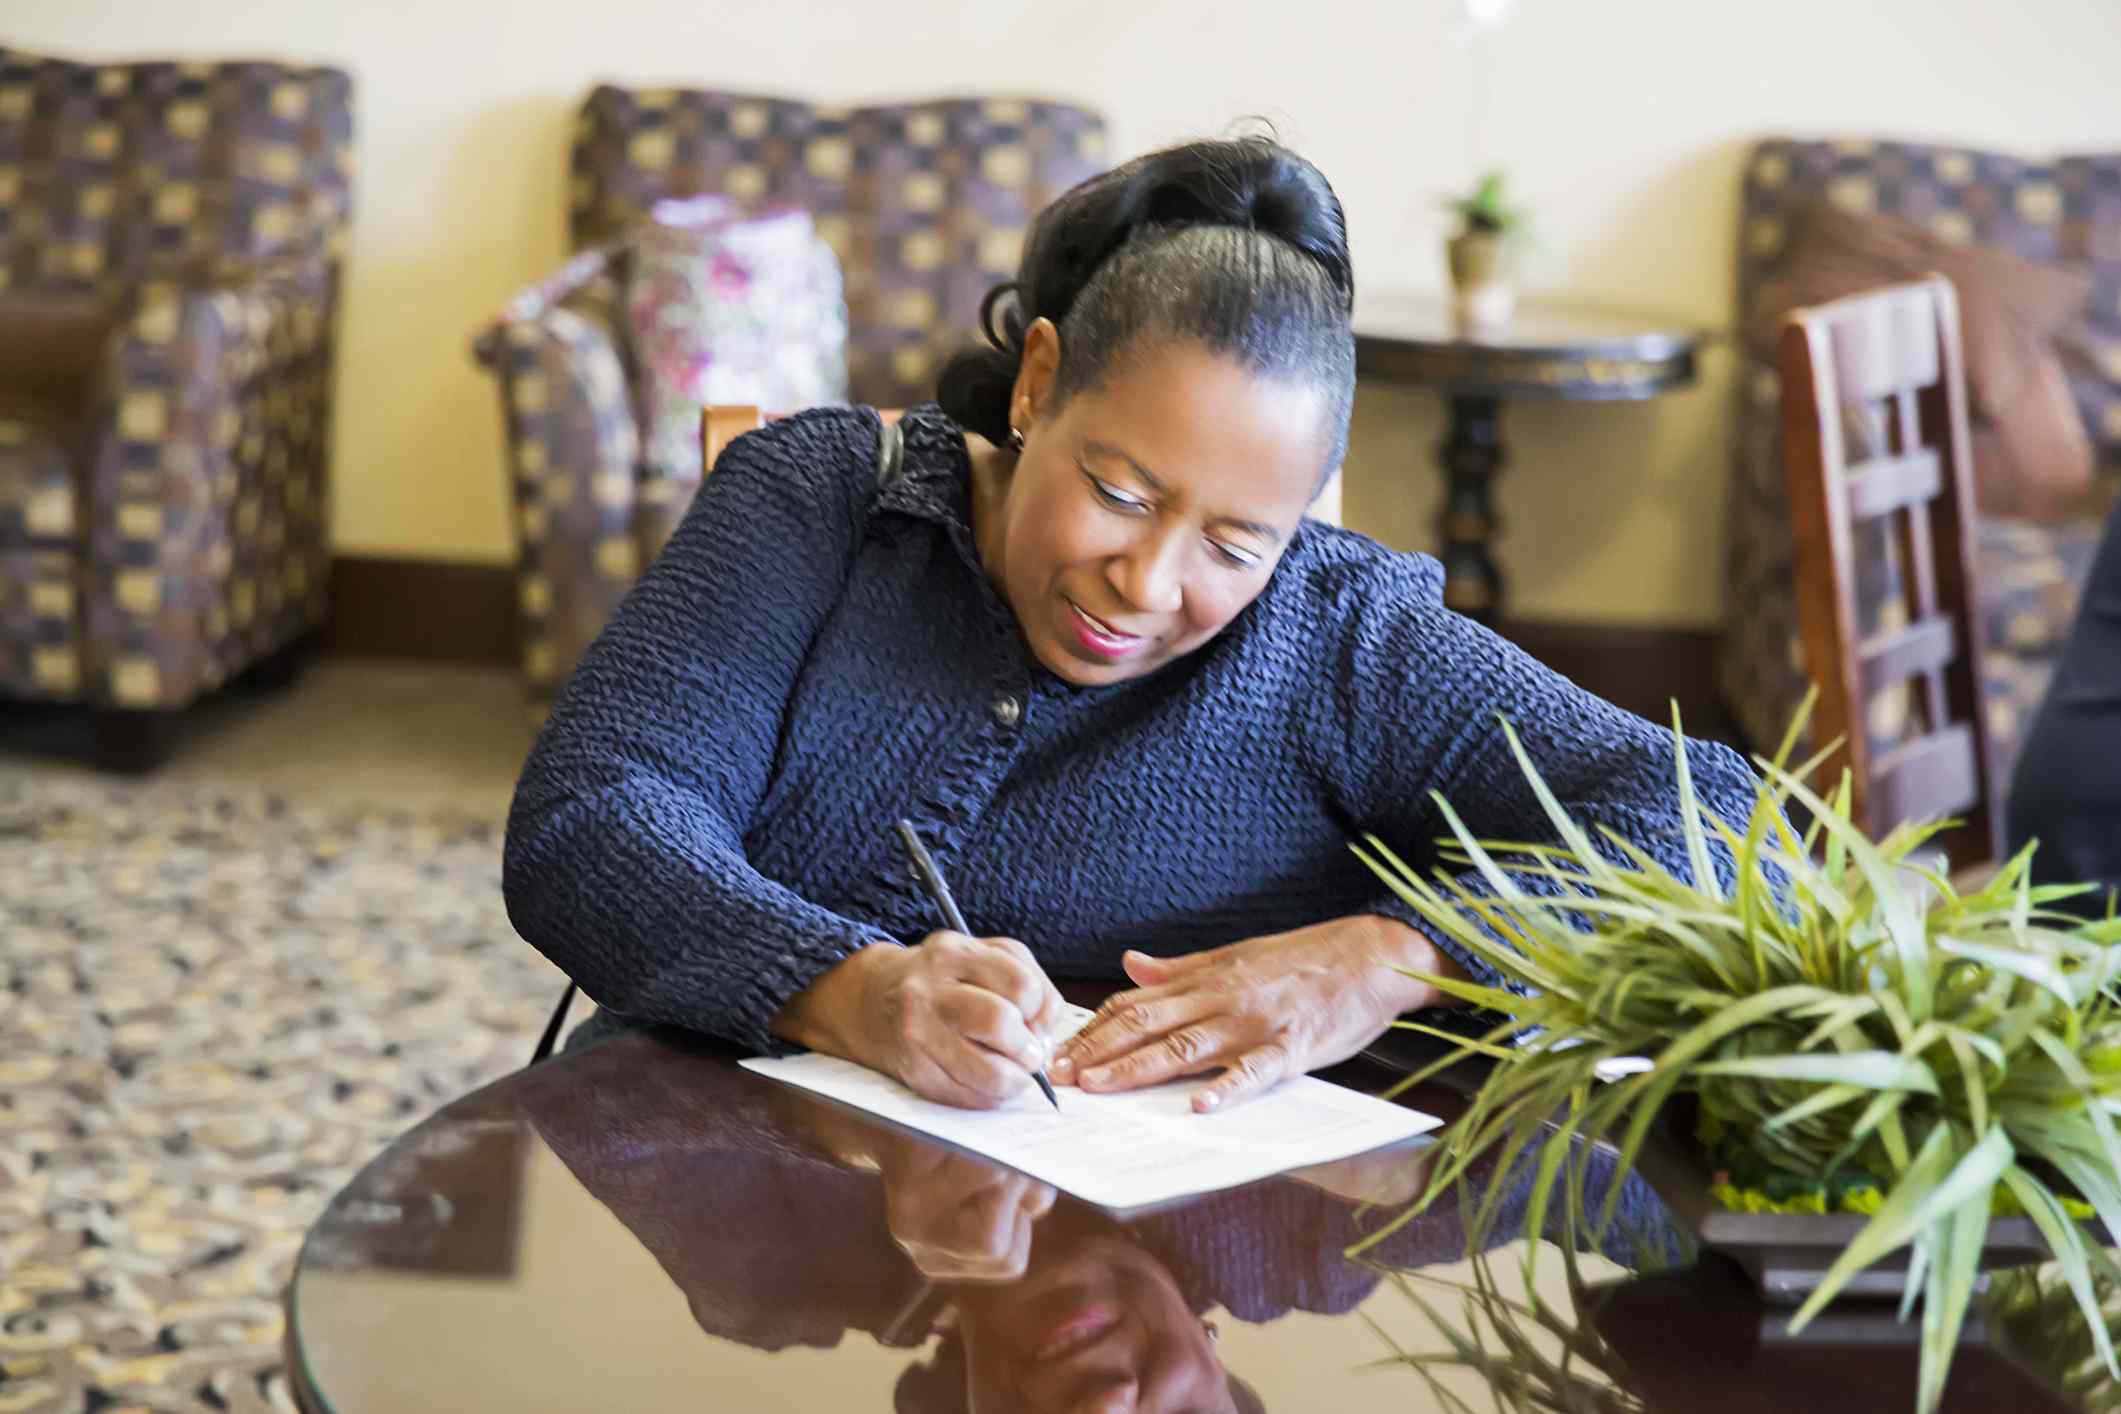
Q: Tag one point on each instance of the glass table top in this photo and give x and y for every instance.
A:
(643, 1225)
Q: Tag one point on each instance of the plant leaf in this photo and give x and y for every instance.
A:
(1955, 1245)
(1932, 1185)
(2073, 1069)
(1903, 922)
(1973, 1084)
(1672, 1063)
(1570, 832)
(2035, 968)
(2067, 1243)
(1697, 844)
(1819, 1102)
(1867, 1070)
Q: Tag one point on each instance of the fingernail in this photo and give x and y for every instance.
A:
(1061, 1069)
(1097, 1077)
(1207, 1100)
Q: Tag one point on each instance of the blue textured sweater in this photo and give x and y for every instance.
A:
(704, 825)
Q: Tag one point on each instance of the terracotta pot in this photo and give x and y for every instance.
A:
(1485, 295)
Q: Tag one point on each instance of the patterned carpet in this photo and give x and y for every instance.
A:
(213, 1009)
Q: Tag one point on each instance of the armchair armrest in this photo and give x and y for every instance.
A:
(208, 459)
(532, 303)
(573, 448)
(264, 311)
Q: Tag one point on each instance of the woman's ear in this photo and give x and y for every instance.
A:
(1320, 490)
(1035, 375)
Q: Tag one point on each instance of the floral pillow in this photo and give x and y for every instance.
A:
(723, 306)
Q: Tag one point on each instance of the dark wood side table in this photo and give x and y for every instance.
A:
(1547, 351)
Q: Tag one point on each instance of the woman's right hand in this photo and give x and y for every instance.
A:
(959, 1218)
(960, 1020)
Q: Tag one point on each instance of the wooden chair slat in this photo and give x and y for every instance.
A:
(1892, 658)
(1896, 482)
(1919, 561)
(1928, 777)
(1883, 342)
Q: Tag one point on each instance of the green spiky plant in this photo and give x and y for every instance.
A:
(1487, 208)
(1838, 1009)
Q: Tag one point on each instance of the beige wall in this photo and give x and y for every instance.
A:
(1623, 121)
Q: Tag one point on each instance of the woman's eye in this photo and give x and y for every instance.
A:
(1233, 556)
(1113, 496)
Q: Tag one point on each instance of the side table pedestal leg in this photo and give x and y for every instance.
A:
(1471, 457)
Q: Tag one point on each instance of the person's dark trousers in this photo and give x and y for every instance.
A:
(2066, 790)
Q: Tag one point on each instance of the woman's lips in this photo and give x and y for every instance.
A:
(1100, 638)
(1079, 1331)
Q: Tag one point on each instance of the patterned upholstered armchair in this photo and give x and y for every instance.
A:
(925, 205)
(2030, 574)
(170, 237)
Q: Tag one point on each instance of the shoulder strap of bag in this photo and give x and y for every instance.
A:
(890, 463)
(890, 454)
(552, 1027)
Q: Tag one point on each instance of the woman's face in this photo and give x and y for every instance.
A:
(1143, 515)
(1098, 1327)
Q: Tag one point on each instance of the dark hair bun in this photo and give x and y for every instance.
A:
(1251, 184)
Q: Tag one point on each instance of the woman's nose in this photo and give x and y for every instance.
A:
(1151, 576)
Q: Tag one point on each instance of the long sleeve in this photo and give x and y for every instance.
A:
(625, 861)
(1413, 704)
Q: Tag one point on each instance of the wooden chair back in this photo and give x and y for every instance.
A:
(723, 423)
(1875, 430)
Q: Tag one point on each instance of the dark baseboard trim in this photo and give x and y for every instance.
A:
(444, 611)
(432, 610)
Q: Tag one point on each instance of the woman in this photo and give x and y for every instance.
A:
(1085, 640)
(2066, 789)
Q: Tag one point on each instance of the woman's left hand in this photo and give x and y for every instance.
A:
(1263, 1008)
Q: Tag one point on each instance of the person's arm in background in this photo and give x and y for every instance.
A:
(1414, 705)
(625, 861)
(2065, 791)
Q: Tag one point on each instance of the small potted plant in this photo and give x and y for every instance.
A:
(1847, 1049)
(1482, 254)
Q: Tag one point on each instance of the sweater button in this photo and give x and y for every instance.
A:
(1007, 710)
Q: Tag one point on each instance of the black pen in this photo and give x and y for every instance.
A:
(932, 880)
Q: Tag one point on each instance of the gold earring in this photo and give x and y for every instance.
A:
(1209, 1329)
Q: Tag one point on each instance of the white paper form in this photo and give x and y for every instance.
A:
(1132, 1148)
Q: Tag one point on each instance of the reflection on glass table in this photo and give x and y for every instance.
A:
(690, 1235)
